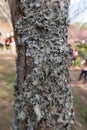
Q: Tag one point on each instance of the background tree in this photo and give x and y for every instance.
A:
(42, 92)
(77, 10)
(5, 12)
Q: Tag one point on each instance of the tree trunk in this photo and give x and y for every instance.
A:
(43, 98)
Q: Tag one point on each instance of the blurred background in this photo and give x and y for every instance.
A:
(77, 38)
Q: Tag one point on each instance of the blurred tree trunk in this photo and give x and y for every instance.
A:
(43, 98)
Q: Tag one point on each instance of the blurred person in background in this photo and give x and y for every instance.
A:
(83, 71)
(2, 41)
(8, 41)
(74, 56)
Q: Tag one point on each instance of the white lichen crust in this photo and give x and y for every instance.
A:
(43, 98)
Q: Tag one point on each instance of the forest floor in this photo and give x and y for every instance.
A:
(7, 79)
(80, 98)
(79, 87)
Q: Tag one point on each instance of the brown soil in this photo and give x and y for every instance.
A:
(79, 87)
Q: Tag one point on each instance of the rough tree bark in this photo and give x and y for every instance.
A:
(43, 98)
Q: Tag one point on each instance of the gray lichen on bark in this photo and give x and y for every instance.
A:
(43, 94)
